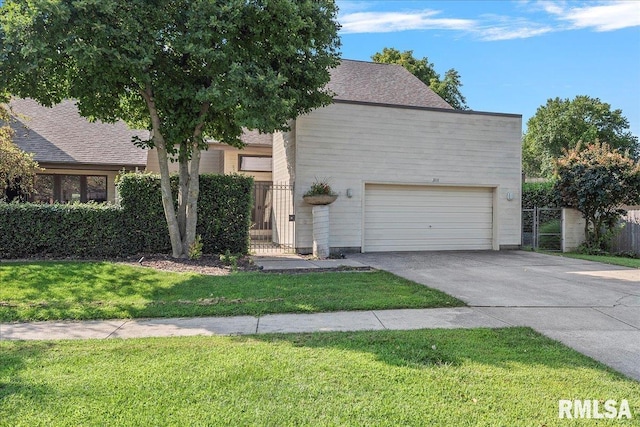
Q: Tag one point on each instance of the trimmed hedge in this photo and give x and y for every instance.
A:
(538, 194)
(88, 230)
(136, 226)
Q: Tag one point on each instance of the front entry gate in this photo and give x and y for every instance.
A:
(542, 229)
(272, 219)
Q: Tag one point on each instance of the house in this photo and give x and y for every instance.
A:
(411, 172)
(81, 159)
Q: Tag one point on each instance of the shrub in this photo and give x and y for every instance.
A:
(538, 195)
(136, 225)
(78, 230)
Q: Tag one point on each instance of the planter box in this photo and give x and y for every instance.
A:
(321, 199)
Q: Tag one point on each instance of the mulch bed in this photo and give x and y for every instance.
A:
(207, 264)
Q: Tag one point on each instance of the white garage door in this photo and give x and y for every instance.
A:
(417, 218)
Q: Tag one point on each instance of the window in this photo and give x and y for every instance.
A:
(70, 188)
(255, 163)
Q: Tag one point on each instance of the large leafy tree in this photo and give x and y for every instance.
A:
(17, 168)
(597, 181)
(561, 123)
(448, 88)
(187, 70)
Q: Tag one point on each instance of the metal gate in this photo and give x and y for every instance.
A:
(542, 229)
(272, 219)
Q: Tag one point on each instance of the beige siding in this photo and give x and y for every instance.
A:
(232, 155)
(210, 162)
(283, 174)
(350, 145)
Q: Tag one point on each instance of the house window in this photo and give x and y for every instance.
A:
(70, 188)
(255, 163)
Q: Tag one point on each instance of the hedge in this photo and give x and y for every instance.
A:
(137, 225)
(538, 194)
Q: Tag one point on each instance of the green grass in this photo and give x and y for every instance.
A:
(607, 259)
(503, 377)
(90, 290)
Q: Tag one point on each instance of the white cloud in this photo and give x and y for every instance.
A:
(359, 17)
(510, 33)
(602, 17)
(385, 22)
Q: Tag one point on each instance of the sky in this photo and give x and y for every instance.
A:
(512, 56)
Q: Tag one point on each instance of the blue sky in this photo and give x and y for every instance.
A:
(512, 55)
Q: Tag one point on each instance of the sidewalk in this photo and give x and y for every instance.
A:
(293, 262)
(459, 317)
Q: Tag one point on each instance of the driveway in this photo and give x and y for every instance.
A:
(592, 307)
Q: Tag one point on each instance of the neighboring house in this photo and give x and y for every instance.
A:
(81, 159)
(412, 173)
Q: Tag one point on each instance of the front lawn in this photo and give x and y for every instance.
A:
(607, 259)
(478, 377)
(102, 290)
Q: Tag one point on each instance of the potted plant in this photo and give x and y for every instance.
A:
(320, 193)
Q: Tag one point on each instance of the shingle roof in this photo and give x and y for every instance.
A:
(61, 135)
(253, 137)
(382, 84)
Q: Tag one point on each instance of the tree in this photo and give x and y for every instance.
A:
(186, 70)
(598, 181)
(561, 123)
(448, 88)
(17, 168)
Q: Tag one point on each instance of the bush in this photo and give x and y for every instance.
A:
(78, 230)
(136, 225)
(539, 195)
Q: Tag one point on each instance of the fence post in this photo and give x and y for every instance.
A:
(572, 229)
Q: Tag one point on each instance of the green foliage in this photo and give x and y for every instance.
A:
(195, 250)
(80, 230)
(17, 168)
(320, 188)
(538, 195)
(562, 123)
(229, 259)
(448, 88)
(189, 71)
(597, 181)
(137, 225)
(140, 198)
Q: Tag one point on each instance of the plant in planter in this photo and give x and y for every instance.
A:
(320, 193)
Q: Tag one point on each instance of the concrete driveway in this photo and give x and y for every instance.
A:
(591, 307)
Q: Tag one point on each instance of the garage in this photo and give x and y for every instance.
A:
(425, 218)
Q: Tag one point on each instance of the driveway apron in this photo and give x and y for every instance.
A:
(591, 307)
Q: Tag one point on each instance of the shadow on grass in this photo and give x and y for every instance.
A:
(434, 348)
(90, 291)
(12, 362)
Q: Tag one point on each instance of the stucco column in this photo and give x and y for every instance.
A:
(321, 231)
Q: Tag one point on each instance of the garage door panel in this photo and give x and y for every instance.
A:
(407, 218)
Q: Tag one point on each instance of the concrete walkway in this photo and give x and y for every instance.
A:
(292, 262)
(459, 317)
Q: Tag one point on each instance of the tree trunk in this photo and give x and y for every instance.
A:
(165, 183)
(182, 225)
